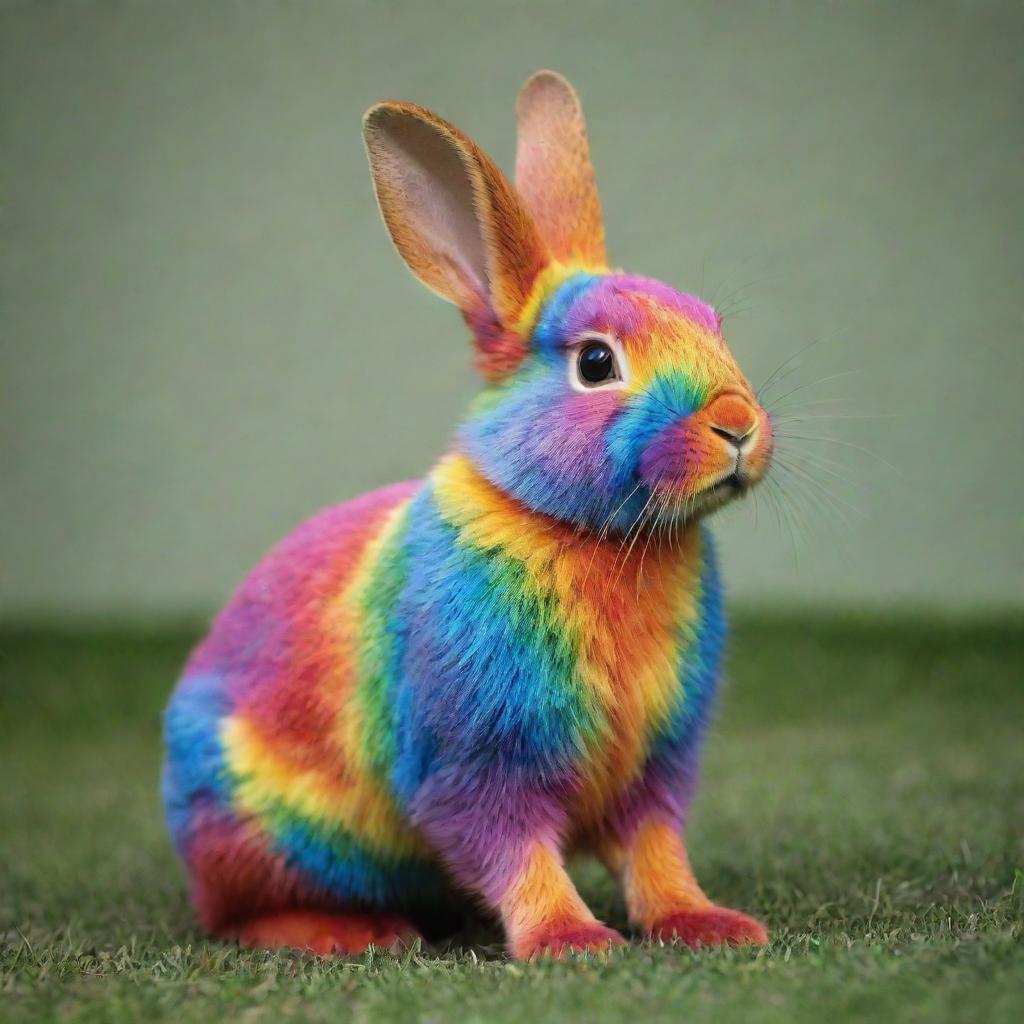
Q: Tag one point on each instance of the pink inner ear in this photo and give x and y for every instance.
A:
(452, 214)
(432, 197)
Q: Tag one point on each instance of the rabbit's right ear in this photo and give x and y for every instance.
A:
(554, 174)
(453, 216)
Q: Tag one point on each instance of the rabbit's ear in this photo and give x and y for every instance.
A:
(554, 174)
(452, 214)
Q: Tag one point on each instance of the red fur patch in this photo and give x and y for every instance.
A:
(715, 926)
(499, 351)
(558, 941)
(343, 934)
(234, 873)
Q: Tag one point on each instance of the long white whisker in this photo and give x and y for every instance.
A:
(814, 383)
(844, 444)
(838, 503)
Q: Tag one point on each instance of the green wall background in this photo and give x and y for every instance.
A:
(206, 335)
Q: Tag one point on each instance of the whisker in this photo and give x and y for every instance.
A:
(799, 407)
(781, 367)
(787, 367)
(736, 293)
(637, 525)
(783, 515)
(802, 477)
(815, 461)
(655, 527)
(801, 417)
(815, 383)
(740, 308)
(603, 532)
(805, 462)
(845, 444)
(825, 513)
(813, 505)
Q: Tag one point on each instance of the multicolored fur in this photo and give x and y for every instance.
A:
(442, 689)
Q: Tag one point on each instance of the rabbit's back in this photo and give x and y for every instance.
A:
(275, 732)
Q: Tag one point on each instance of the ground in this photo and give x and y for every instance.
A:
(863, 795)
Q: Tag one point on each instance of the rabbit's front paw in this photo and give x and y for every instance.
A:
(559, 941)
(710, 926)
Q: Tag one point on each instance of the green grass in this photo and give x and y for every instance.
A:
(863, 794)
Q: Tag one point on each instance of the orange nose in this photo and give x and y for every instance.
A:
(732, 417)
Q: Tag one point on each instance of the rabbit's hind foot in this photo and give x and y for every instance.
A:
(345, 933)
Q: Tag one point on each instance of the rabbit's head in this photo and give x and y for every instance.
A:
(610, 398)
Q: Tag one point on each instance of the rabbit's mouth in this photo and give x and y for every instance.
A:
(731, 487)
(712, 497)
(735, 483)
(693, 502)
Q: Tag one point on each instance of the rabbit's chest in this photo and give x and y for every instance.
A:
(637, 665)
(557, 661)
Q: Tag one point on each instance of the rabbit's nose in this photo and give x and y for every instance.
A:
(730, 435)
(733, 419)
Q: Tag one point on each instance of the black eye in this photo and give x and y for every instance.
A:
(597, 363)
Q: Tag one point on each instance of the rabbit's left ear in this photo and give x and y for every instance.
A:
(554, 174)
(453, 216)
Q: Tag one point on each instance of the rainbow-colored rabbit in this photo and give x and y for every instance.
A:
(440, 690)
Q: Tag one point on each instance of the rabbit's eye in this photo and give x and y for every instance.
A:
(596, 364)
(597, 361)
